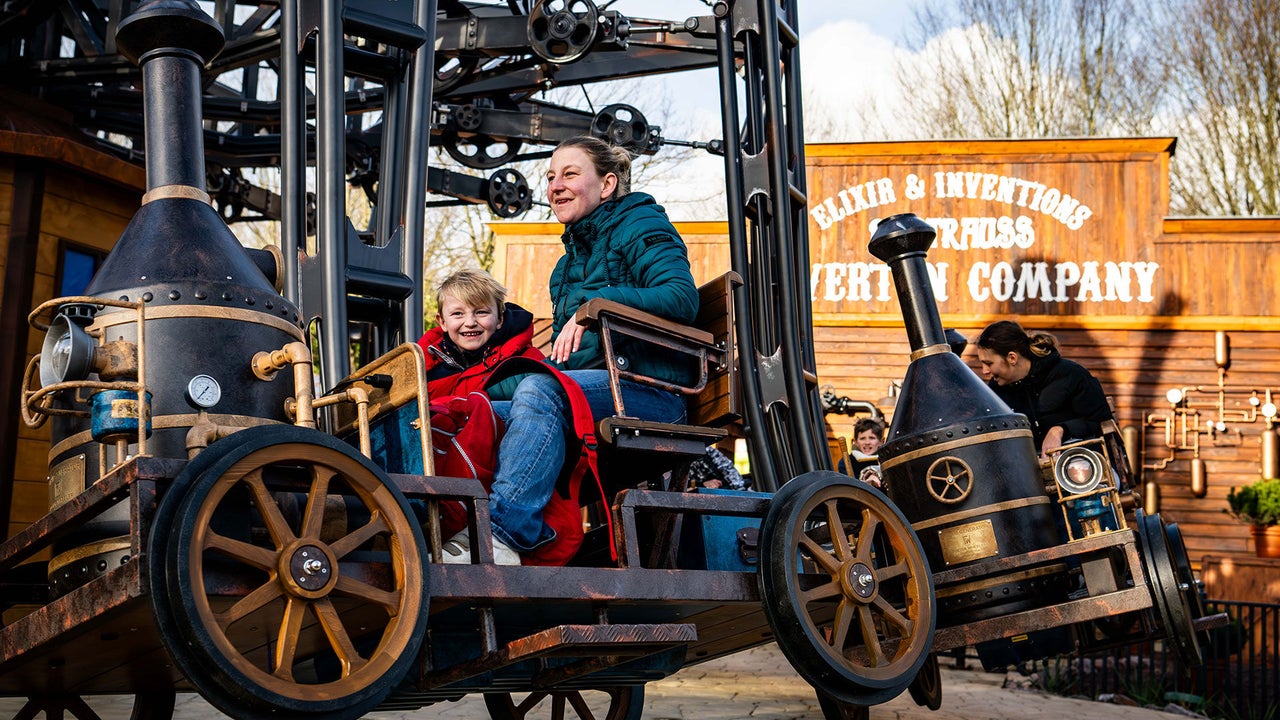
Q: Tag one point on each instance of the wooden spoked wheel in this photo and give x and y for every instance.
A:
(623, 702)
(153, 704)
(847, 588)
(287, 576)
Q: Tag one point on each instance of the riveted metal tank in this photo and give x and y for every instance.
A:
(958, 461)
(207, 303)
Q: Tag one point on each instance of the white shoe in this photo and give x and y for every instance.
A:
(457, 551)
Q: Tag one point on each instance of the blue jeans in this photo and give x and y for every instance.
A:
(532, 451)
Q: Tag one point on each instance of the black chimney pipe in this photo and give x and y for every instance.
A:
(172, 40)
(897, 239)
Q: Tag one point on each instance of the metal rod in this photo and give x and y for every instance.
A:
(331, 198)
(293, 152)
(421, 81)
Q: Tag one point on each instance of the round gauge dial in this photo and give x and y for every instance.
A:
(203, 391)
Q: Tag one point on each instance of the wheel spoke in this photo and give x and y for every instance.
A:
(530, 701)
(820, 555)
(313, 517)
(557, 706)
(845, 615)
(821, 592)
(867, 624)
(898, 569)
(248, 553)
(338, 638)
(388, 599)
(839, 540)
(377, 524)
(255, 600)
(579, 704)
(893, 615)
(870, 523)
(281, 534)
(287, 639)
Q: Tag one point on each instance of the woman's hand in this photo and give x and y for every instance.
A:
(568, 341)
(1052, 440)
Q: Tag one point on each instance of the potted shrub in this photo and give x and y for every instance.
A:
(1259, 505)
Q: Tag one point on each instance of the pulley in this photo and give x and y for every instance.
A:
(561, 31)
(508, 193)
(624, 126)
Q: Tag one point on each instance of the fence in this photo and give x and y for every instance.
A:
(1240, 678)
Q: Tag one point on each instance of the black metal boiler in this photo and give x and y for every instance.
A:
(959, 463)
(164, 338)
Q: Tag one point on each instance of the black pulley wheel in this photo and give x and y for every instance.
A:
(833, 709)
(847, 589)
(622, 125)
(286, 576)
(1168, 594)
(482, 152)
(509, 193)
(561, 31)
(622, 702)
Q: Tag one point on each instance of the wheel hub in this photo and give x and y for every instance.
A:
(563, 24)
(307, 569)
(858, 581)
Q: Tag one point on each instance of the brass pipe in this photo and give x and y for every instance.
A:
(267, 364)
(360, 397)
(204, 432)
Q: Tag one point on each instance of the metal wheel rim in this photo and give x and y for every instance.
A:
(883, 637)
(926, 688)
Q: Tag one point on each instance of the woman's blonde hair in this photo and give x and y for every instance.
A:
(605, 158)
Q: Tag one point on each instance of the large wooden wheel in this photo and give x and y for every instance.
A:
(623, 702)
(287, 576)
(847, 589)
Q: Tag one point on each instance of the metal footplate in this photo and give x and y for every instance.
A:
(601, 646)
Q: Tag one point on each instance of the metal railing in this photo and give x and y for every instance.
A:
(1239, 680)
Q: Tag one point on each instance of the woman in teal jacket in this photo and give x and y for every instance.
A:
(620, 246)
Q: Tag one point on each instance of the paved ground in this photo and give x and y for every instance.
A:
(760, 685)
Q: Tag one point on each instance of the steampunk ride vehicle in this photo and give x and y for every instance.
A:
(217, 525)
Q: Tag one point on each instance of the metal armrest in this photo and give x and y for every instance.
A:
(611, 317)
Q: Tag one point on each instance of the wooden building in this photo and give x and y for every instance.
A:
(1068, 236)
(63, 205)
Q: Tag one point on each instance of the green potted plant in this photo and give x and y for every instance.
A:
(1259, 505)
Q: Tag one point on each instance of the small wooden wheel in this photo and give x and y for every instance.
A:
(847, 589)
(286, 576)
(623, 702)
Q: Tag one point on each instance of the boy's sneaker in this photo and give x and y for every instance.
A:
(457, 551)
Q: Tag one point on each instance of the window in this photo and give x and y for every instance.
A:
(76, 266)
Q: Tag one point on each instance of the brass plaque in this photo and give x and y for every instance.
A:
(965, 543)
(66, 480)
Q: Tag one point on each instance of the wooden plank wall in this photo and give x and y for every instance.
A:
(78, 209)
(1210, 274)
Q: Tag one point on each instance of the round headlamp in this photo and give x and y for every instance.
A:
(1078, 471)
(67, 353)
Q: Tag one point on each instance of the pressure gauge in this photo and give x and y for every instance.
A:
(203, 391)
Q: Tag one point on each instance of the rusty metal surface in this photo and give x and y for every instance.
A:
(604, 645)
(1072, 611)
(1123, 539)
(94, 499)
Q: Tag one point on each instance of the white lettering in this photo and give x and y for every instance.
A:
(1068, 275)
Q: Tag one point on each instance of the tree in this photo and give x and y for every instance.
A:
(1027, 69)
(1221, 62)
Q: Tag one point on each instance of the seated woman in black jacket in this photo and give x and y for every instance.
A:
(1063, 401)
